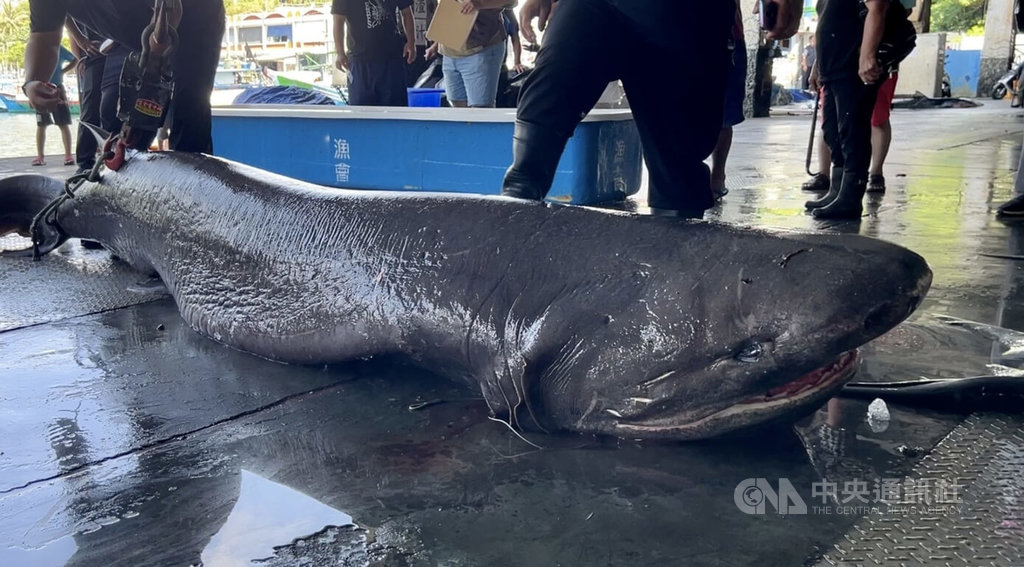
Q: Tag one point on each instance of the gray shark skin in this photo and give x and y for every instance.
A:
(21, 197)
(567, 318)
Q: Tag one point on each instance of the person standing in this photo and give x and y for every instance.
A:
(91, 63)
(849, 71)
(422, 13)
(732, 112)
(472, 71)
(665, 49)
(809, 56)
(376, 49)
(59, 114)
(200, 27)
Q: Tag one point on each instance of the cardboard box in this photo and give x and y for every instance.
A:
(450, 27)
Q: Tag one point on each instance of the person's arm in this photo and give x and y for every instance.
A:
(46, 18)
(409, 51)
(80, 45)
(874, 25)
(341, 62)
(539, 10)
(41, 54)
(517, 54)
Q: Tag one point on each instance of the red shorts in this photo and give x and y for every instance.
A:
(883, 104)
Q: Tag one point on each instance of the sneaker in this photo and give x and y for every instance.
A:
(819, 182)
(1014, 208)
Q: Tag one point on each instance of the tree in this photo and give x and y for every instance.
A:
(958, 16)
(14, 28)
(235, 7)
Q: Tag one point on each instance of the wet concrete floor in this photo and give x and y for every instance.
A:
(127, 439)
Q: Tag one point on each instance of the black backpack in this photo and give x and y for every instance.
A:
(899, 37)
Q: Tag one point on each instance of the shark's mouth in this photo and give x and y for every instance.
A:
(755, 409)
(809, 383)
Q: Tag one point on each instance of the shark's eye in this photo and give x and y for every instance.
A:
(749, 351)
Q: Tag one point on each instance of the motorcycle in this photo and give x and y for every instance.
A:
(1008, 82)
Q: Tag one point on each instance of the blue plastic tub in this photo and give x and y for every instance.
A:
(425, 97)
(461, 150)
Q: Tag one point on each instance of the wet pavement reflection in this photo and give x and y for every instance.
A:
(130, 440)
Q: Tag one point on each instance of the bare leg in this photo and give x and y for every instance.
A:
(718, 157)
(881, 137)
(40, 141)
(65, 136)
(824, 154)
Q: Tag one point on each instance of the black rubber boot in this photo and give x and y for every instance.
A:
(846, 205)
(535, 155)
(833, 190)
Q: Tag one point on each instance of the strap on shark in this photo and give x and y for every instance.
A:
(46, 232)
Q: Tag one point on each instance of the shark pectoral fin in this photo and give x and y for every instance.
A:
(149, 286)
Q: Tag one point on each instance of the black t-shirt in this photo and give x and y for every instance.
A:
(840, 32)
(663, 21)
(374, 32)
(119, 20)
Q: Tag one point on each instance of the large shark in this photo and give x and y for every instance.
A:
(566, 317)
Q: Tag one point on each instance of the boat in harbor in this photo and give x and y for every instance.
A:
(18, 103)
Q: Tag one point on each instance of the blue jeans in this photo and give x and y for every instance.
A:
(474, 79)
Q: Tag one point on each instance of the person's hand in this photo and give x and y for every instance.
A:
(341, 62)
(42, 95)
(431, 52)
(470, 6)
(870, 71)
(86, 48)
(531, 10)
(787, 21)
(518, 67)
(409, 51)
(159, 42)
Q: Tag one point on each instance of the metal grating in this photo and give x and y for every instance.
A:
(67, 283)
(985, 456)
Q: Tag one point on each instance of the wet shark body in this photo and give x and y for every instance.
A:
(21, 197)
(567, 318)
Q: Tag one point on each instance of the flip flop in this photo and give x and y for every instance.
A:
(69, 161)
(39, 161)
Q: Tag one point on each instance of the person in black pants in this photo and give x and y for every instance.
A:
(376, 49)
(194, 60)
(848, 70)
(673, 59)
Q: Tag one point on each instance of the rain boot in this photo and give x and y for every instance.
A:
(833, 190)
(536, 152)
(846, 205)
